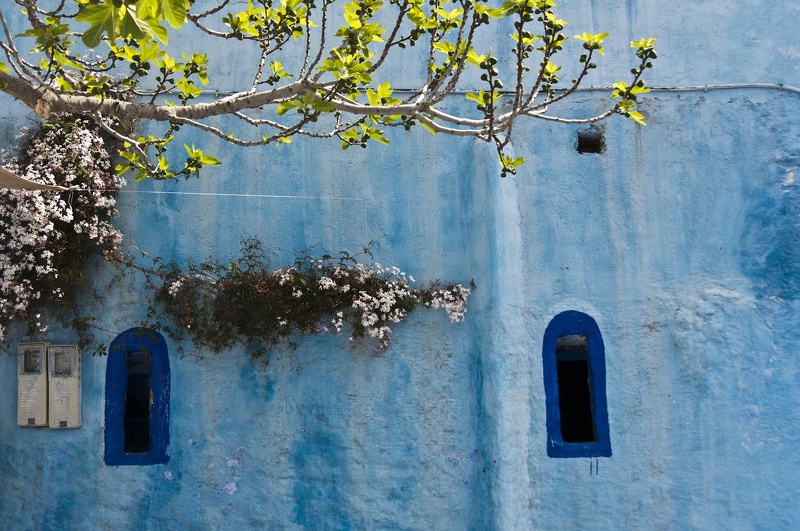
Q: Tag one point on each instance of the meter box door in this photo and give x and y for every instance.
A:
(32, 384)
(65, 386)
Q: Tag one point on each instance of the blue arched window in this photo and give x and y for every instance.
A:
(137, 399)
(574, 364)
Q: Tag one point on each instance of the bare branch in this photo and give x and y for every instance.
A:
(344, 81)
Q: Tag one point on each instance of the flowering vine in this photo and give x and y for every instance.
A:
(221, 305)
(46, 237)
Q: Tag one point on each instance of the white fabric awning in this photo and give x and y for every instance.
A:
(15, 182)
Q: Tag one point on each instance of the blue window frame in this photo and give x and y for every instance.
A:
(137, 399)
(574, 368)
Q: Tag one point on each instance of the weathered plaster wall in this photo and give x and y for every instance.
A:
(681, 240)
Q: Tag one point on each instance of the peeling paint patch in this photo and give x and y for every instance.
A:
(791, 51)
(230, 488)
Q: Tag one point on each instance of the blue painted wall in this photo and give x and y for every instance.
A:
(680, 240)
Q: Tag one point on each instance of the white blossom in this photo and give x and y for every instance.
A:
(453, 300)
(175, 287)
(327, 283)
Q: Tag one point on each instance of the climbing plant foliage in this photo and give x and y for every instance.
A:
(47, 238)
(244, 302)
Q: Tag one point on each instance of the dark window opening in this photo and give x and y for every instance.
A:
(137, 399)
(137, 403)
(574, 373)
(590, 141)
(574, 389)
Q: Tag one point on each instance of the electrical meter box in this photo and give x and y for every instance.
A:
(65, 386)
(32, 384)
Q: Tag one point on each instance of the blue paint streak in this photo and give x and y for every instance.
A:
(317, 462)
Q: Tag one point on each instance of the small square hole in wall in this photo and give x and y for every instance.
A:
(591, 141)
